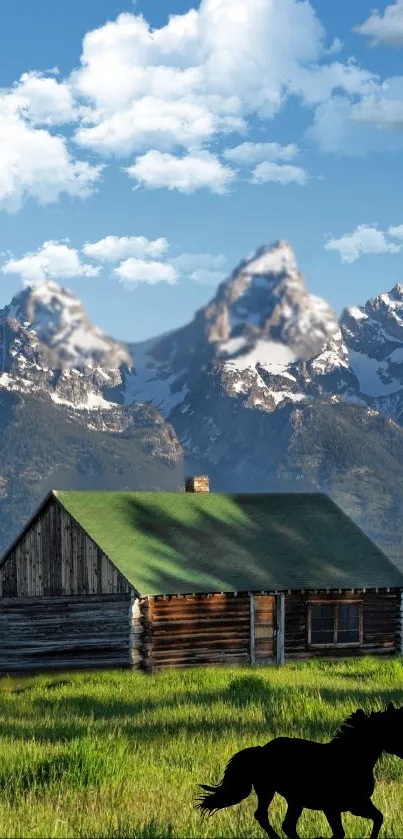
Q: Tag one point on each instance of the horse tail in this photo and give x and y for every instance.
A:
(235, 785)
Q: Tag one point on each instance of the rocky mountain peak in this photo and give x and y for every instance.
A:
(262, 316)
(378, 325)
(49, 347)
(270, 270)
(397, 292)
(266, 299)
(45, 306)
(389, 303)
(58, 320)
(271, 260)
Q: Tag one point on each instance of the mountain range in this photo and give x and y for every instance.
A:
(264, 389)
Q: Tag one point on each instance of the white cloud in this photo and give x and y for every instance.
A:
(335, 47)
(52, 261)
(386, 28)
(396, 232)
(208, 71)
(384, 108)
(114, 248)
(315, 85)
(372, 124)
(167, 94)
(188, 262)
(57, 260)
(204, 268)
(151, 122)
(186, 174)
(133, 271)
(201, 75)
(36, 164)
(249, 153)
(43, 100)
(198, 76)
(268, 172)
(365, 239)
(205, 276)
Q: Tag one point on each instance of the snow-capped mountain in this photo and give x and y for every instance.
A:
(48, 345)
(58, 319)
(262, 317)
(373, 336)
(361, 363)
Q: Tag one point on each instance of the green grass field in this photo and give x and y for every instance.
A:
(120, 754)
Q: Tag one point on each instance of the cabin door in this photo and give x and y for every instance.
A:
(267, 618)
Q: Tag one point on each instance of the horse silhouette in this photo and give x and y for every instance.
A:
(335, 777)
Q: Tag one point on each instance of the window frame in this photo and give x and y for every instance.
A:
(337, 603)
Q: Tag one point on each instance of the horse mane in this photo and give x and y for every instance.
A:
(357, 723)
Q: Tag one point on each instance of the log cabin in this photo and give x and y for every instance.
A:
(153, 580)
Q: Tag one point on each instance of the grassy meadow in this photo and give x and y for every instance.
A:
(120, 754)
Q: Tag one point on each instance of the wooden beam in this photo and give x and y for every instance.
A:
(136, 631)
(280, 620)
(252, 629)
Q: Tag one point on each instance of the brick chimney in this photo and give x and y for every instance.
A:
(197, 483)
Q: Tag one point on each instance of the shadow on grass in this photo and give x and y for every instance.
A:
(18, 780)
(274, 703)
(46, 686)
(28, 728)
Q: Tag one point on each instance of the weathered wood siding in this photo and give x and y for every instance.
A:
(381, 631)
(56, 558)
(195, 630)
(264, 623)
(60, 633)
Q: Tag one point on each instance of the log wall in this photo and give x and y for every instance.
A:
(264, 628)
(58, 633)
(195, 630)
(55, 558)
(381, 624)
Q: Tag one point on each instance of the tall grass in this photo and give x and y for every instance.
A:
(120, 754)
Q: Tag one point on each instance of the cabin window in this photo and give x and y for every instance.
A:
(334, 624)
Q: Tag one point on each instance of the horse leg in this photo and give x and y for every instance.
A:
(264, 798)
(290, 822)
(334, 819)
(367, 810)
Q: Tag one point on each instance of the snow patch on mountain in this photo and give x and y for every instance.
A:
(92, 402)
(270, 354)
(372, 375)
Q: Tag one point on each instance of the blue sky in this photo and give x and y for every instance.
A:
(145, 148)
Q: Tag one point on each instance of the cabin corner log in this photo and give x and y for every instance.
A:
(146, 642)
(136, 631)
(280, 628)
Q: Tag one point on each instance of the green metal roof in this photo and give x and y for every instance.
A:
(176, 542)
